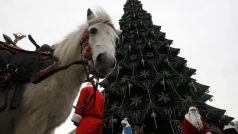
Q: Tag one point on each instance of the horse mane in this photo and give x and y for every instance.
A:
(72, 40)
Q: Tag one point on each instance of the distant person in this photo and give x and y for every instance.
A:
(193, 123)
(230, 129)
(139, 130)
(88, 118)
(126, 127)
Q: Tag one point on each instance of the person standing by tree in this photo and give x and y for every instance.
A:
(193, 123)
(126, 127)
(88, 117)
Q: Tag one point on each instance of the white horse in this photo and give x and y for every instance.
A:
(47, 104)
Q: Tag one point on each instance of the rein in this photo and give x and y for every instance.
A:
(85, 53)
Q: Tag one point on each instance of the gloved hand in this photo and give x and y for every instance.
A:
(76, 119)
(76, 124)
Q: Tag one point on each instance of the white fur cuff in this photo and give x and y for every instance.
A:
(208, 133)
(76, 118)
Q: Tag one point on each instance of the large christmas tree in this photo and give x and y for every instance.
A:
(154, 86)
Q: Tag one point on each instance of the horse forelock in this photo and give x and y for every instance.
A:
(101, 16)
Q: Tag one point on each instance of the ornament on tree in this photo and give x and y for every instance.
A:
(188, 99)
(129, 87)
(143, 62)
(114, 120)
(153, 115)
(144, 74)
(166, 60)
(134, 15)
(136, 100)
(114, 106)
(129, 48)
(168, 111)
(194, 87)
(162, 82)
(124, 79)
(141, 23)
(163, 97)
(137, 32)
(149, 43)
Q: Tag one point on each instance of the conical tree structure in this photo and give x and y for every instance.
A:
(154, 86)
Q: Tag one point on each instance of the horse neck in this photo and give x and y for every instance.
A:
(68, 51)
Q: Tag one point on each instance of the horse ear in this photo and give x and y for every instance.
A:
(90, 14)
(118, 32)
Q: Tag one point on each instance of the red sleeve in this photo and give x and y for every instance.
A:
(186, 126)
(83, 97)
(206, 127)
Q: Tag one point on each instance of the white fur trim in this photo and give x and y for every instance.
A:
(192, 107)
(124, 121)
(194, 119)
(76, 118)
(208, 133)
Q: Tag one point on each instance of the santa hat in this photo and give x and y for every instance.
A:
(124, 121)
(192, 108)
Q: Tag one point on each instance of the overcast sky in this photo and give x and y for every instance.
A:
(206, 31)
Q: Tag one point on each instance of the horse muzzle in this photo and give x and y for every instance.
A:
(104, 64)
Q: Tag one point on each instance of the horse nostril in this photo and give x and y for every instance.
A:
(105, 61)
(100, 57)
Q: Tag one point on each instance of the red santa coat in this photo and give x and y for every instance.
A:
(89, 118)
(190, 129)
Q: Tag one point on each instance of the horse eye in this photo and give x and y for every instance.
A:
(93, 31)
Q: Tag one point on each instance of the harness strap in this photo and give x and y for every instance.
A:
(95, 87)
(33, 41)
(40, 78)
(93, 96)
(17, 95)
(5, 101)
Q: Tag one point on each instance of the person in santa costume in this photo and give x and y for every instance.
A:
(88, 113)
(193, 123)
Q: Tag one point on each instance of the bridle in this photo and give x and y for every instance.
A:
(86, 54)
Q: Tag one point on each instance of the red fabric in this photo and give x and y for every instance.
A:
(91, 122)
(190, 129)
(87, 51)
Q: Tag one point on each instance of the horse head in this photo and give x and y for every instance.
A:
(99, 41)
